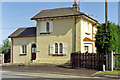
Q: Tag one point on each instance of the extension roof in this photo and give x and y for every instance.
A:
(24, 32)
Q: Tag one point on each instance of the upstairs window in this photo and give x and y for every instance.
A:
(87, 30)
(46, 27)
(88, 27)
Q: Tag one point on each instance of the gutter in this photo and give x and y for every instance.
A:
(12, 50)
(19, 36)
(65, 16)
(75, 36)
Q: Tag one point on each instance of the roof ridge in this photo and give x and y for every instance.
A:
(26, 27)
(75, 10)
(57, 8)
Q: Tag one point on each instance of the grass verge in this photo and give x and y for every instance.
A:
(115, 72)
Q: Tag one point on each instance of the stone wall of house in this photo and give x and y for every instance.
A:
(63, 32)
(17, 48)
(88, 30)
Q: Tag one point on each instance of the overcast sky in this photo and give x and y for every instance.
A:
(18, 14)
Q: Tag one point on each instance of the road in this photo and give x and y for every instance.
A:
(47, 72)
(6, 75)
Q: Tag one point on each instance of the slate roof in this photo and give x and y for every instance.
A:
(24, 32)
(59, 12)
(56, 13)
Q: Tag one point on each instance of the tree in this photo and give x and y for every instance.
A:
(114, 39)
(6, 46)
(119, 41)
(101, 39)
(107, 40)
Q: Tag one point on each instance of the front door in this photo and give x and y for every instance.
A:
(33, 52)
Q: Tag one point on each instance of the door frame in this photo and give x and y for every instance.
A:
(31, 51)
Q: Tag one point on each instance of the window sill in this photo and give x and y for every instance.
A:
(58, 54)
(87, 33)
(23, 54)
(45, 33)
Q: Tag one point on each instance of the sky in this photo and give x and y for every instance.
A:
(119, 13)
(18, 14)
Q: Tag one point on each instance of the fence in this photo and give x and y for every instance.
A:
(87, 60)
(116, 61)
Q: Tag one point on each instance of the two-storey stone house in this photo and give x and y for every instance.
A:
(58, 33)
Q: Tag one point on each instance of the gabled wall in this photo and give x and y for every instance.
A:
(90, 35)
(63, 32)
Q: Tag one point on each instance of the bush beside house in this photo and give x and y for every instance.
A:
(5, 49)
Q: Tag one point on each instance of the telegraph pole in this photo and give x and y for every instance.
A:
(106, 25)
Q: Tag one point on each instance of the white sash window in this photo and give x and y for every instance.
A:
(23, 49)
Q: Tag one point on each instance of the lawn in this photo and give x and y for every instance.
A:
(115, 72)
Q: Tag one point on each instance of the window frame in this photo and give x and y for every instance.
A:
(23, 49)
(87, 27)
(56, 48)
(86, 49)
(58, 52)
(61, 48)
(33, 48)
(47, 26)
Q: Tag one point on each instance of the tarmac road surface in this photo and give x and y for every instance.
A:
(46, 72)
(12, 75)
